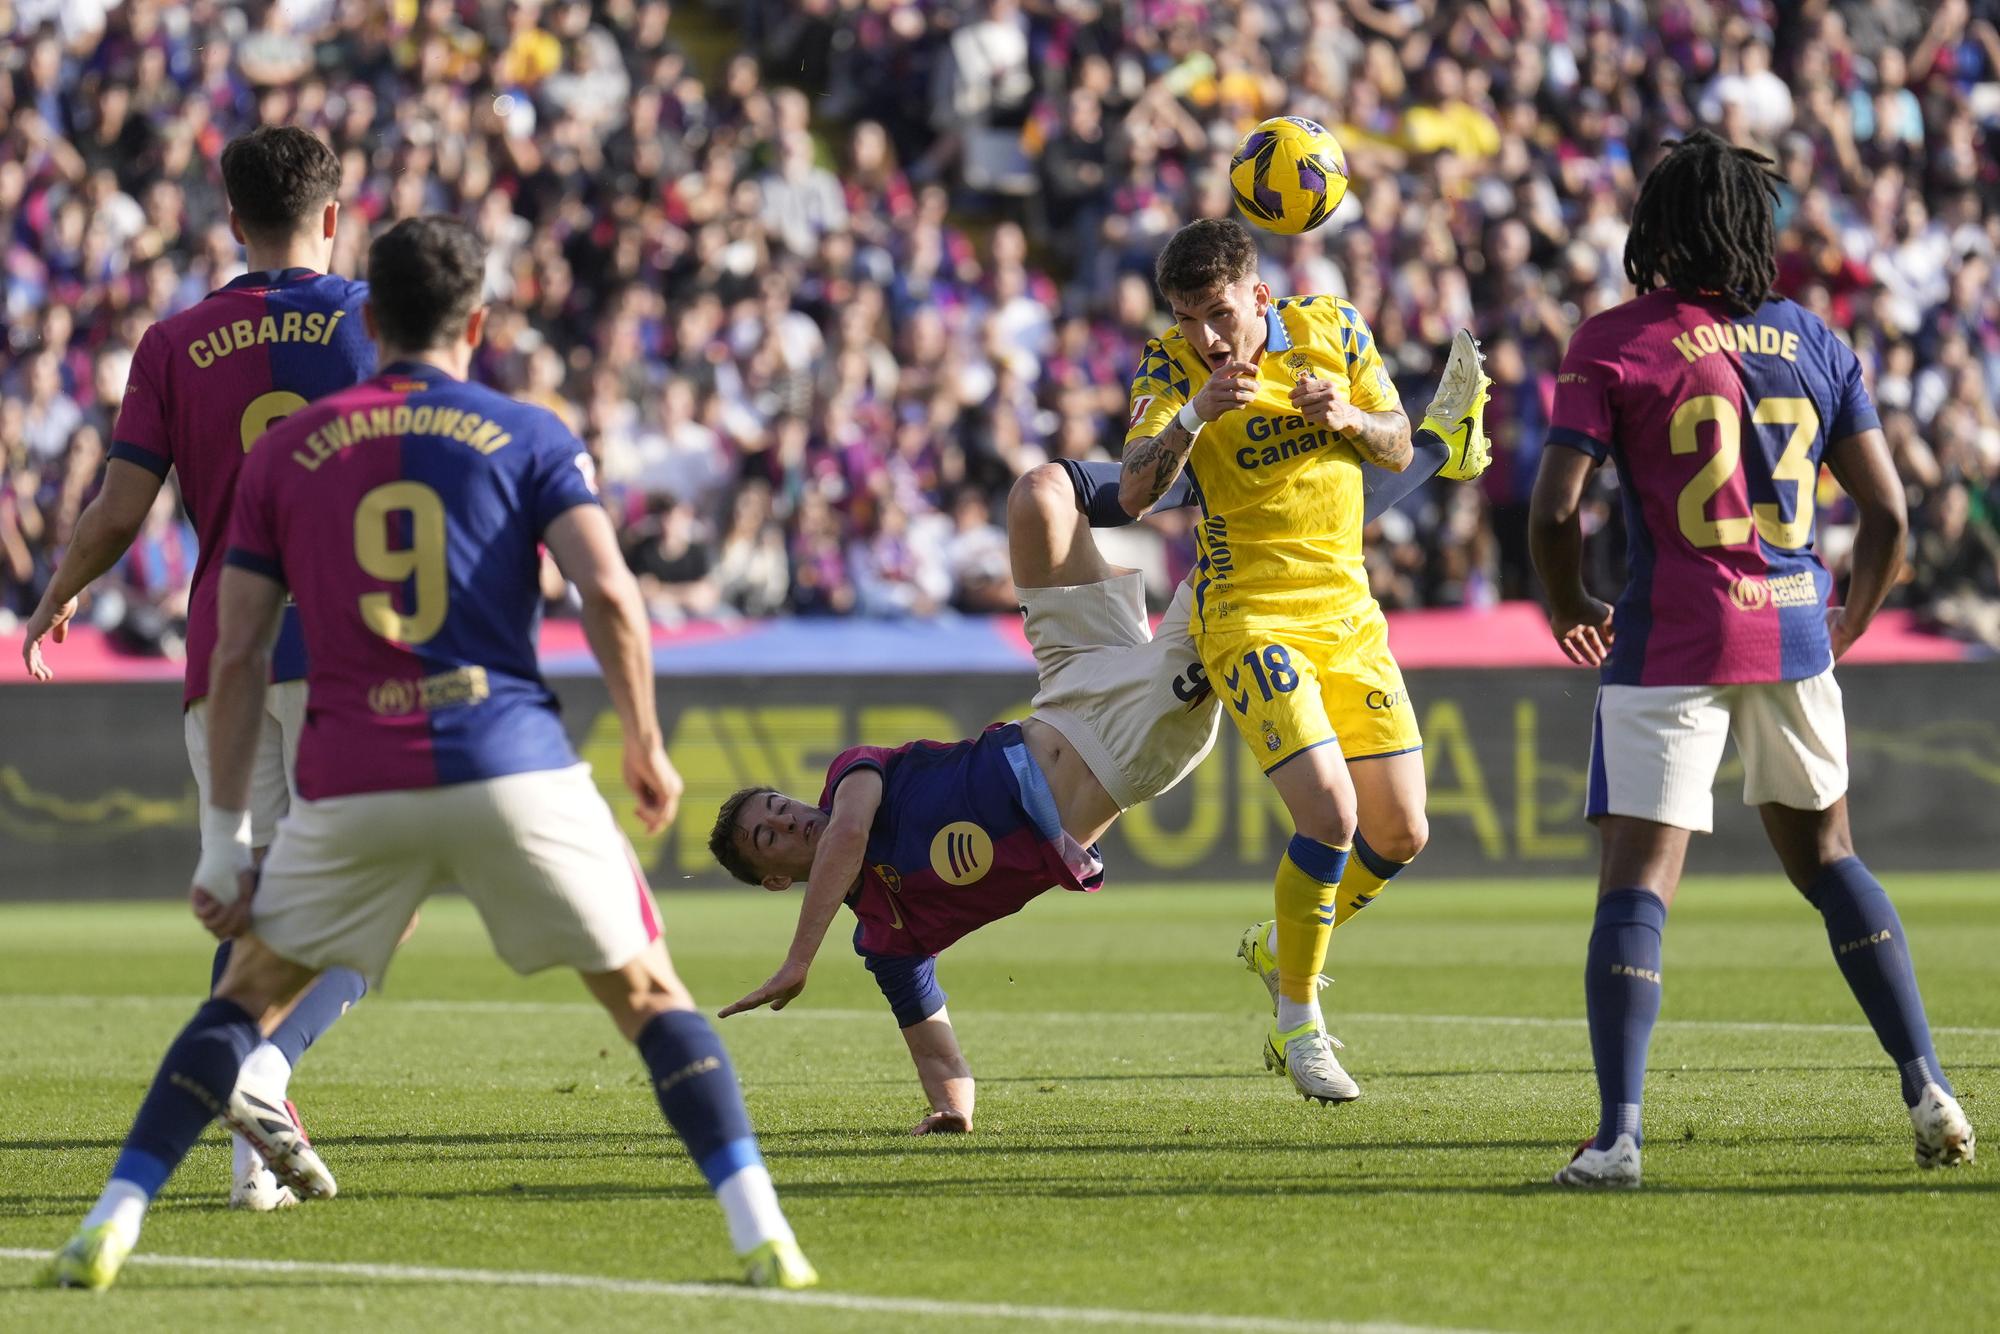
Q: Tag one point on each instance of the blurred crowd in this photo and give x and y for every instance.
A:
(816, 279)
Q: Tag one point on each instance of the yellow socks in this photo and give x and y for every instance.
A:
(1368, 872)
(1308, 883)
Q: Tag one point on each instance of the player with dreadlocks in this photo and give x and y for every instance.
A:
(1718, 401)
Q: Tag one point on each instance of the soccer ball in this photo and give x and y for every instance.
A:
(1289, 175)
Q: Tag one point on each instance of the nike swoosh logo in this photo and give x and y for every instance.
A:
(896, 917)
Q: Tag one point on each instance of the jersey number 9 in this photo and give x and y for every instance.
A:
(1794, 465)
(420, 562)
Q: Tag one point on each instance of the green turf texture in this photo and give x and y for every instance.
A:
(1130, 1153)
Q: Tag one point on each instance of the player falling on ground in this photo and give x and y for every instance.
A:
(204, 385)
(1273, 407)
(930, 841)
(405, 515)
(1717, 402)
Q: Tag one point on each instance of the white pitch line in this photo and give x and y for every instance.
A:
(1050, 1016)
(835, 1301)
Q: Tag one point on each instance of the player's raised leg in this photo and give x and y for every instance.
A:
(196, 1083)
(1873, 952)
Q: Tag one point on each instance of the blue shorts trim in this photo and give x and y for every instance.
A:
(1332, 740)
(1385, 754)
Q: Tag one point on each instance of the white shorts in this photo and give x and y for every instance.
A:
(277, 759)
(538, 854)
(1654, 750)
(1136, 705)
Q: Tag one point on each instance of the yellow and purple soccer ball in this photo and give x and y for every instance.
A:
(1289, 175)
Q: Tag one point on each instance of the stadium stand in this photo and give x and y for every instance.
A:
(816, 279)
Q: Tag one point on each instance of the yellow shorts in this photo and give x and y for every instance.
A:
(1291, 689)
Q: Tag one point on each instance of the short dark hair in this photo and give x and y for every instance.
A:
(278, 178)
(425, 278)
(1204, 256)
(1704, 223)
(722, 838)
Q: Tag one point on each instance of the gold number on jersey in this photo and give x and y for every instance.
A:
(1696, 526)
(265, 411)
(1794, 466)
(422, 560)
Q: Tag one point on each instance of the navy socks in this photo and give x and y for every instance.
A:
(193, 1085)
(1621, 987)
(697, 1090)
(1873, 954)
(329, 997)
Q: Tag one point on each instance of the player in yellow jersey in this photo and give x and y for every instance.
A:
(1273, 407)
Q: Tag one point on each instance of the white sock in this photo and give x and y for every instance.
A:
(267, 1071)
(750, 1202)
(1292, 1014)
(123, 1205)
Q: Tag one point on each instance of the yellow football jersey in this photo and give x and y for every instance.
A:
(1280, 537)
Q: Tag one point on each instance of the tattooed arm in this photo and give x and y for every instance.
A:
(1152, 464)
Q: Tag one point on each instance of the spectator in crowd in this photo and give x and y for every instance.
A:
(835, 311)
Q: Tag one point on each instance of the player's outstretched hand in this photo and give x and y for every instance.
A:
(225, 921)
(652, 778)
(48, 622)
(950, 1122)
(1232, 386)
(1584, 634)
(782, 989)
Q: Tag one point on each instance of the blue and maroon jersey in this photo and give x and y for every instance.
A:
(1716, 423)
(966, 834)
(406, 516)
(207, 382)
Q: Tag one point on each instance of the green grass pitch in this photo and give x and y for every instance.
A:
(1132, 1158)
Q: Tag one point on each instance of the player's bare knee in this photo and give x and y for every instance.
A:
(1043, 494)
(1400, 840)
(261, 983)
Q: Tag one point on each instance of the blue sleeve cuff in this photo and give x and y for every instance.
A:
(909, 984)
(256, 564)
(156, 464)
(1579, 441)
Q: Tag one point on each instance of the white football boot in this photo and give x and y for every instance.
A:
(1306, 1055)
(257, 1191)
(275, 1132)
(1615, 1168)
(1944, 1136)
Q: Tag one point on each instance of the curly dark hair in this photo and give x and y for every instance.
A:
(722, 838)
(278, 178)
(1704, 223)
(1204, 256)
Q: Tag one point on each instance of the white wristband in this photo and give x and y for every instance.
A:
(1190, 421)
(225, 852)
